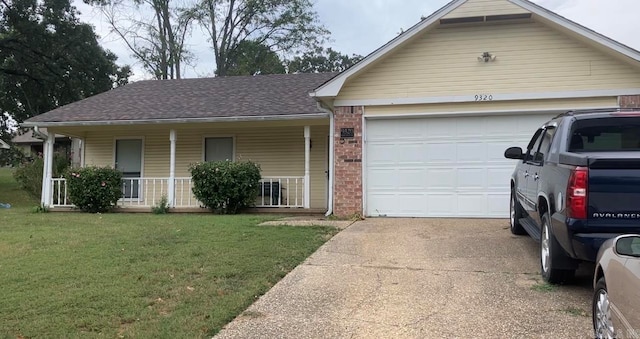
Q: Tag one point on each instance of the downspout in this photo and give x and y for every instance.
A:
(331, 157)
(38, 134)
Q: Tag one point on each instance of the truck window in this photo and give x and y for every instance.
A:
(605, 135)
(547, 138)
(534, 145)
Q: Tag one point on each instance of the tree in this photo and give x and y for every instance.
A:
(284, 26)
(157, 41)
(252, 58)
(322, 60)
(48, 59)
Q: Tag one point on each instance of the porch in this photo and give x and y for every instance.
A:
(155, 159)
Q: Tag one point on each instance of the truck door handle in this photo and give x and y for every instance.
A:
(526, 174)
(536, 177)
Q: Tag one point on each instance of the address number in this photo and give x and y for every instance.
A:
(484, 97)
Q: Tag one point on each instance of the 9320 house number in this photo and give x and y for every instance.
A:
(483, 97)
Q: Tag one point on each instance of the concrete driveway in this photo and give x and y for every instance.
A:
(420, 278)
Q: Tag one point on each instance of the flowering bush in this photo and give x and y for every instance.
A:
(226, 187)
(94, 189)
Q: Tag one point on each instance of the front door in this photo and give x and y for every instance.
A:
(129, 162)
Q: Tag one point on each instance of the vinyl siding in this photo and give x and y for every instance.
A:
(485, 7)
(494, 106)
(278, 150)
(531, 57)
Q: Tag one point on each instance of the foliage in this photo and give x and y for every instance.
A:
(12, 156)
(94, 189)
(11, 192)
(162, 207)
(284, 26)
(322, 60)
(29, 173)
(252, 58)
(48, 58)
(157, 41)
(225, 186)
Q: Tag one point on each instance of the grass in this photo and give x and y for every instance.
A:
(135, 275)
(543, 287)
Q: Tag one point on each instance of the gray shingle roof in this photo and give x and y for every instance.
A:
(240, 96)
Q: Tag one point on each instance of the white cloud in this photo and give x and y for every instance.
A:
(361, 26)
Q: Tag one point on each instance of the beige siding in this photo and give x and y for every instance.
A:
(530, 58)
(278, 150)
(485, 7)
(494, 106)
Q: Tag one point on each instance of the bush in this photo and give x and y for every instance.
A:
(94, 189)
(226, 187)
(12, 157)
(162, 207)
(29, 173)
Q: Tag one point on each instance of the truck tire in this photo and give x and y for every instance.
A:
(550, 254)
(515, 213)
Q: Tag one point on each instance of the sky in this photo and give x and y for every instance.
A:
(361, 26)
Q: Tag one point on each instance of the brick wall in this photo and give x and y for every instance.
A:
(629, 101)
(348, 163)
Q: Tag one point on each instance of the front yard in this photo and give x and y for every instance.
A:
(135, 275)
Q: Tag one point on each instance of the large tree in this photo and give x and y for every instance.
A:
(284, 26)
(252, 58)
(322, 60)
(156, 40)
(48, 59)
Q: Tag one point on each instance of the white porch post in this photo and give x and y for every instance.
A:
(307, 169)
(172, 169)
(47, 171)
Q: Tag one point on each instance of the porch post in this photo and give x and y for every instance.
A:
(307, 169)
(47, 159)
(171, 187)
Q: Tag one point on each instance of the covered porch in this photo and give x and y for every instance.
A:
(155, 158)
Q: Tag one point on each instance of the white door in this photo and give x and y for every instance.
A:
(443, 167)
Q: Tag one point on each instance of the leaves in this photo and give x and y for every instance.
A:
(322, 60)
(94, 189)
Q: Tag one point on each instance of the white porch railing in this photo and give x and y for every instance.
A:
(276, 192)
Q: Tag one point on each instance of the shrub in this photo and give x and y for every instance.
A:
(29, 173)
(94, 189)
(162, 207)
(226, 187)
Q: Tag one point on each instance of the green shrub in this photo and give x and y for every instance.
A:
(94, 189)
(226, 187)
(29, 174)
(162, 207)
(12, 157)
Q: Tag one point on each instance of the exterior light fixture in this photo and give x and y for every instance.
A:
(486, 57)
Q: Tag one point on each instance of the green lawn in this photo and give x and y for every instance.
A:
(135, 275)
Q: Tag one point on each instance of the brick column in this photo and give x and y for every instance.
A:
(348, 163)
(629, 101)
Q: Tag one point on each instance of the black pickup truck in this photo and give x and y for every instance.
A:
(576, 185)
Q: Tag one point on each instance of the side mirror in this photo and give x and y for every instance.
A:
(514, 153)
(628, 245)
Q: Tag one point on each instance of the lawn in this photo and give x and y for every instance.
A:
(135, 275)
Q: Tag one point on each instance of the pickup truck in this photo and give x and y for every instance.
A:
(576, 185)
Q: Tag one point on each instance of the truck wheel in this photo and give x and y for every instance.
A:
(515, 213)
(550, 252)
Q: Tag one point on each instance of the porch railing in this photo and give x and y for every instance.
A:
(276, 192)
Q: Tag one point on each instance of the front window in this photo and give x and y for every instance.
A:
(218, 149)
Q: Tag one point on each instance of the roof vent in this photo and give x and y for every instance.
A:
(488, 18)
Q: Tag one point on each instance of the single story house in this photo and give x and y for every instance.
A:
(416, 129)
(33, 146)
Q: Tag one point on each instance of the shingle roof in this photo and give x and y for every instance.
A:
(238, 96)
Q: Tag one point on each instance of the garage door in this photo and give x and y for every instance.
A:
(443, 167)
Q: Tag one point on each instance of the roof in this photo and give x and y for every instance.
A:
(28, 138)
(193, 99)
(3, 145)
(332, 87)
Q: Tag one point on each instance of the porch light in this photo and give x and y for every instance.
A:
(486, 57)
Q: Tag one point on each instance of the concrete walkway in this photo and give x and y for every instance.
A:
(420, 278)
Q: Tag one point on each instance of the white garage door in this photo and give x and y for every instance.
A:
(443, 167)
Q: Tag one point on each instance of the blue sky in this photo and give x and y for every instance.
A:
(361, 26)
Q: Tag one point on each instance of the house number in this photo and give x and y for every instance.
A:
(484, 97)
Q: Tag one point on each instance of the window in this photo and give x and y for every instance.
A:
(609, 134)
(547, 137)
(218, 149)
(533, 146)
(128, 160)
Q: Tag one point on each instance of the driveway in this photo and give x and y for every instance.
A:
(420, 278)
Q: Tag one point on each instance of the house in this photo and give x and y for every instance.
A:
(416, 129)
(4, 145)
(32, 146)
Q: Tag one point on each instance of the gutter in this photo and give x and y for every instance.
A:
(179, 121)
(331, 156)
(39, 134)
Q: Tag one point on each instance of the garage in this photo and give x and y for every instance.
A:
(443, 166)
